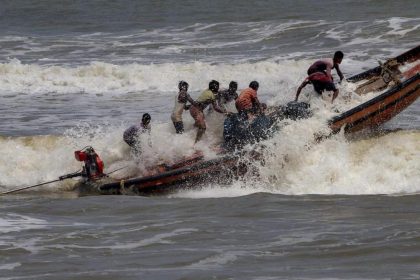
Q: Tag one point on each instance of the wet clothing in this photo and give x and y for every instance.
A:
(184, 97)
(198, 116)
(177, 111)
(207, 97)
(176, 116)
(315, 67)
(226, 96)
(326, 64)
(321, 81)
(246, 100)
(132, 133)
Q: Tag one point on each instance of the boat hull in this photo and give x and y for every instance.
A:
(380, 109)
(407, 57)
(220, 170)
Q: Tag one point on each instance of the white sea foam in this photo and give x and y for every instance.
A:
(15, 222)
(397, 26)
(279, 74)
(9, 266)
(218, 260)
(294, 163)
(336, 166)
(105, 78)
(31, 160)
(162, 238)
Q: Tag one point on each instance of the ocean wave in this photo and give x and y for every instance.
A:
(293, 163)
(242, 41)
(111, 79)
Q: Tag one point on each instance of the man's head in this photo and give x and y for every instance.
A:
(254, 85)
(183, 85)
(146, 119)
(214, 86)
(233, 86)
(338, 57)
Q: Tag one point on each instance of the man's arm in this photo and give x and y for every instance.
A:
(190, 99)
(217, 108)
(219, 96)
(339, 71)
(304, 83)
(257, 104)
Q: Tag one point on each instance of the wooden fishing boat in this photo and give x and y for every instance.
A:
(380, 109)
(221, 170)
(401, 90)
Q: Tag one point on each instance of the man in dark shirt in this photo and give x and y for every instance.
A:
(227, 95)
(133, 132)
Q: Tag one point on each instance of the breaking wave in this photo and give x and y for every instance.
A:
(294, 164)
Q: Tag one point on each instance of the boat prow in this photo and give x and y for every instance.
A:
(380, 109)
(402, 88)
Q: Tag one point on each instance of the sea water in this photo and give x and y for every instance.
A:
(78, 73)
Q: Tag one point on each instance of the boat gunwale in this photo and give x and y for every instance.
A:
(375, 100)
(166, 174)
(408, 56)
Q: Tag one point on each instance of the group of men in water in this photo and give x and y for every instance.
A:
(246, 103)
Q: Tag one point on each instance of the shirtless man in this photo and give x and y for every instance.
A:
(180, 105)
(321, 81)
(330, 63)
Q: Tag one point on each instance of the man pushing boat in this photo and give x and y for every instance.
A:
(181, 105)
(133, 132)
(247, 103)
(206, 98)
(329, 64)
(321, 81)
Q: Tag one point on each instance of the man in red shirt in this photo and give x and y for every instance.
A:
(321, 81)
(247, 102)
(329, 64)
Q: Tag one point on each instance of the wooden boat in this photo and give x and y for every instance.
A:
(219, 170)
(225, 167)
(402, 90)
(380, 109)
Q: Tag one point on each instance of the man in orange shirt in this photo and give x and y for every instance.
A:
(247, 103)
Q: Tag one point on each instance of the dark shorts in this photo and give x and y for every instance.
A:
(320, 86)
